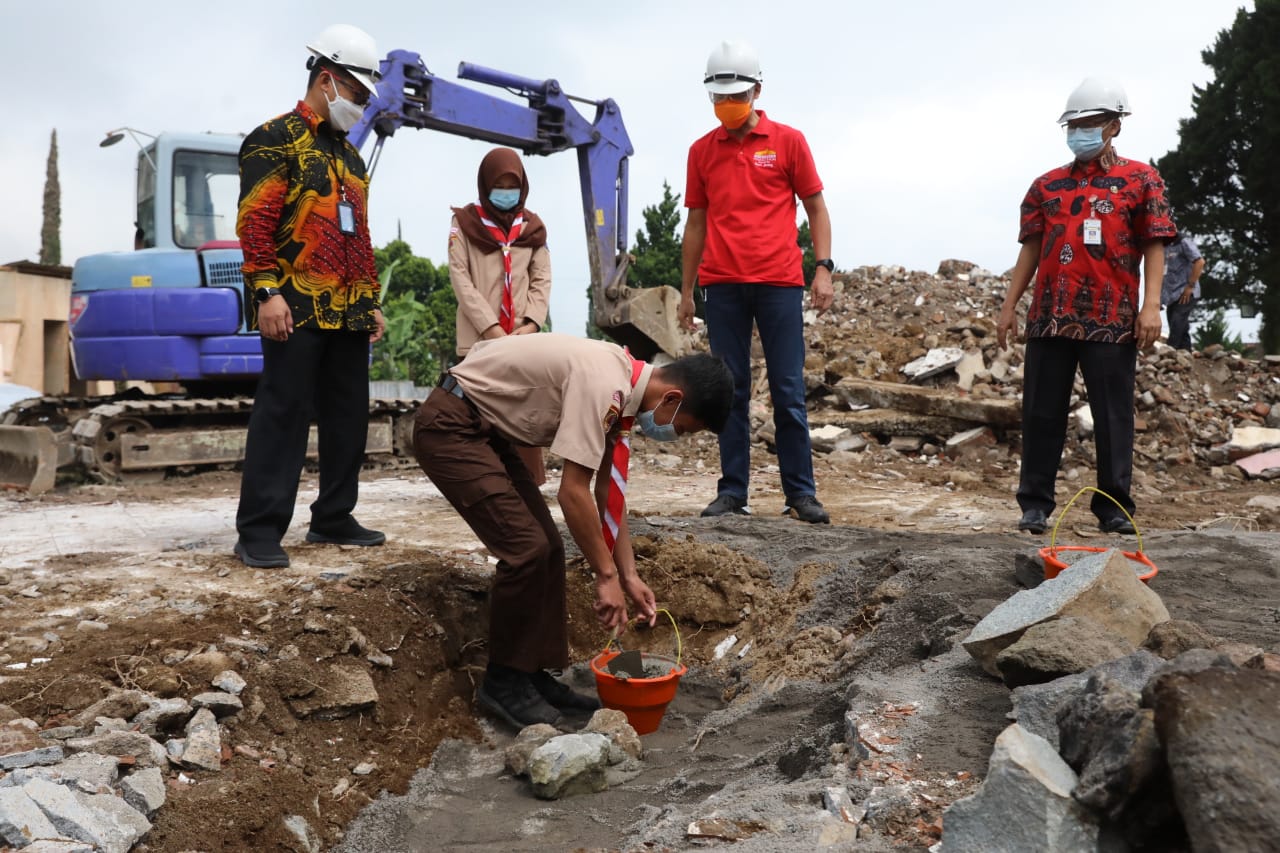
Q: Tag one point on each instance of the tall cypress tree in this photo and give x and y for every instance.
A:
(1222, 177)
(50, 241)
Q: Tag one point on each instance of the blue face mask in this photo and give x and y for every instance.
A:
(504, 199)
(655, 431)
(1085, 142)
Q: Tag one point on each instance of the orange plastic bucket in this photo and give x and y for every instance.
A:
(643, 700)
(1053, 566)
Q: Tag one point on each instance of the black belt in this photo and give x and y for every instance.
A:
(451, 385)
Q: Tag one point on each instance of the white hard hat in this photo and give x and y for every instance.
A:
(1094, 96)
(350, 48)
(732, 67)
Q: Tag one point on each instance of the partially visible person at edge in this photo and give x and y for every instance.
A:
(312, 292)
(1183, 265)
(499, 265)
(1089, 229)
(578, 397)
(740, 247)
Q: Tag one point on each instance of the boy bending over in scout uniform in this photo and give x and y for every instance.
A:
(578, 397)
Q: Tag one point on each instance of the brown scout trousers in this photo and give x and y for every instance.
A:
(483, 477)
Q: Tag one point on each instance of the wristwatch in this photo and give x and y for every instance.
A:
(828, 263)
(262, 294)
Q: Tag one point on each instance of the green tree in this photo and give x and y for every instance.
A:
(420, 310)
(1222, 177)
(808, 259)
(50, 229)
(657, 252)
(1214, 330)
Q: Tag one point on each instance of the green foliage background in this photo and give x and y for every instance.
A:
(420, 311)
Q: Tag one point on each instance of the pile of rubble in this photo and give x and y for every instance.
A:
(933, 338)
(1163, 747)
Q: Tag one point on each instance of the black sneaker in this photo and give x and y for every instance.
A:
(262, 555)
(807, 508)
(1034, 521)
(726, 505)
(560, 696)
(510, 695)
(350, 532)
(1117, 524)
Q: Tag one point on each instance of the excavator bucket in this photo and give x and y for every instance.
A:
(644, 319)
(28, 458)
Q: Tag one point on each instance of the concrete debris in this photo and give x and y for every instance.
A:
(163, 715)
(203, 749)
(20, 748)
(144, 790)
(364, 768)
(1172, 638)
(520, 750)
(933, 362)
(341, 690)
(229, 682)
(145, 751)
(123, 704)
(837, 801)
(1059, 647)
(94, 771)
(221, 704)
(724, 829)
(614, 725)
(569, 765)
(301, 830)
(1249, 440)
(1102, 586)
(103, 820)
(1026, 778)
(59, 846)
(1261, 466)
(21, 819)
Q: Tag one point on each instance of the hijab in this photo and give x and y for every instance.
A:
(496, 164)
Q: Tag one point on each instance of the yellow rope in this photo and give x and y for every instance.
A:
(1054, 538)
(679, 643)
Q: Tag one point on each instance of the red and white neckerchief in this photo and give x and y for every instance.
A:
(506, 319)
(615, 505)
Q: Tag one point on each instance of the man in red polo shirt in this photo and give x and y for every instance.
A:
(1089, 229)
(740, 246)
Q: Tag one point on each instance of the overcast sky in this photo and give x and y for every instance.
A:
(928, 120)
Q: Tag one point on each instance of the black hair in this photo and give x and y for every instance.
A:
(318, 64)
(707, 385)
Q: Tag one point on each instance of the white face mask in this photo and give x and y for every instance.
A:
(343, 114)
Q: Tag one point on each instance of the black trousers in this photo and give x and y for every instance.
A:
(316, 374)
(1180, 323)
(1048, 374)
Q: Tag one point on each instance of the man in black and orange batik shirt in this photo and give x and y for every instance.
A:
(1092, 231)
(312, 291)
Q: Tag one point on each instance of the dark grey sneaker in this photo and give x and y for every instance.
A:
(1034, 521)
(1117, 524)
(262, 555)
(562, 697)
(726, 505)
(807, 508)
(350, 532)
(512, 697)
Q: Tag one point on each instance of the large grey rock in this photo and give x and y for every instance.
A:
(119, 703)
(340, 691)
(229, 681)
(520, 750)
(93, 770)
(1221, 732)
(1102, 587)
(60, 846)
(615, 726)
(1172, 638)
(1024, 803)
(100, 819)
(220, 703)
(568, 765)
(1059, 647)
(1187, 663)
(163, 715)
(21, 748)
(203, 748)
(21, 819)
(1110, 742)
(144, 790)
(1035, 707)
(146, 751)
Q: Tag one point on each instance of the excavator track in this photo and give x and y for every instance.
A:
(145, 439)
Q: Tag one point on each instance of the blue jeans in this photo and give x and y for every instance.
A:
(777, 313)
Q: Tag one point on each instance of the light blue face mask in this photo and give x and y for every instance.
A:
(1085, 142)
(658, 432)
(504, 199)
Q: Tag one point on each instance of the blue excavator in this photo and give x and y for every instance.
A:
(172, 310)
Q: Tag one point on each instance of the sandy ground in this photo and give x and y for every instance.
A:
(862, 615)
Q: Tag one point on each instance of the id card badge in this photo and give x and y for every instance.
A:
(1093, 232)
(346, 217)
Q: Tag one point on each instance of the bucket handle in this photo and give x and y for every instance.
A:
(613, 637)
(1054, 538)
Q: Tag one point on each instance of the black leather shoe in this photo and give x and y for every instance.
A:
(807, 508)
(1117, 524)
(562, 697)
(350, 532)
(1034, 521)
(511, 696)
(726, 505)
(262, 555)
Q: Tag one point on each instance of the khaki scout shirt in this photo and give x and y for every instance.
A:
(477, 280)
(553, 390)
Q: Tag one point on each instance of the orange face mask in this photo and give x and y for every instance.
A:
(732, 114)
